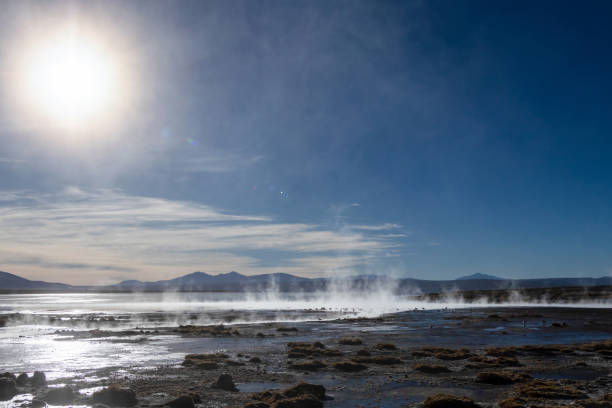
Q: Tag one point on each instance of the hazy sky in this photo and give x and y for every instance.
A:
(429, 139)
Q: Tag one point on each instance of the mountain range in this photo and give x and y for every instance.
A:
(234, 281)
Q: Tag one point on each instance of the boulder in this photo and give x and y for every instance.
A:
(350, 341)
(8, 388)
(39, 379)
(225, 382)
(115, 396)
(303, 401)
(22, 380)
(38, 403)
(431, 368)
(349, 366)
(449, 401)
(302, 395)
(184, 401)
(59, 396)
(386, 346)
(8, 375)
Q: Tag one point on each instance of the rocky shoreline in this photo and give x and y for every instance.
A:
(461, 359)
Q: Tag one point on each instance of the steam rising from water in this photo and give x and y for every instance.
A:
(173, 308)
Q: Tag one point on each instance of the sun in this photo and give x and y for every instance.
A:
(70, 79)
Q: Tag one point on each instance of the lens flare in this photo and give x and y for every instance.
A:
(70, 79)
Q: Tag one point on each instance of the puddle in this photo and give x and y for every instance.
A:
(89, 391)
(374, 329)
(495, 329)
(261, 386)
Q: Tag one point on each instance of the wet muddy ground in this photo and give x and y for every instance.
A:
(507, 357)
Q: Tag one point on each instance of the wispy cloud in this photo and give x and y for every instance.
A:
(10, 160)
(382, 227)
(81, 236)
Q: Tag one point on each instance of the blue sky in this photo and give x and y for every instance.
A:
(425, 139)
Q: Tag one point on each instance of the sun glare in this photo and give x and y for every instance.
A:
(70, 79)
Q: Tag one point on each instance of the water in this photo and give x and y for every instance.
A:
(52, 332)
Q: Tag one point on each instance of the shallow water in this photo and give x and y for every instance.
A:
(33, 338)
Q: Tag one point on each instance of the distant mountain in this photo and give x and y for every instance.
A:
(8, 281)
(479, 276)
(234, 281)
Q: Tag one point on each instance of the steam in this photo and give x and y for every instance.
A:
(341, 299)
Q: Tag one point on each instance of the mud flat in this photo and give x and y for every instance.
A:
(506, 357)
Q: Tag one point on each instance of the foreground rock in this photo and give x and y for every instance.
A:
(184, 401)
(22, 380)
(316, 349)
(225, 382)
(349, 366)
(215, 331)
(38, 403)
(205, 361)
(350, 341)
(380, 360)
(8, 388)
(303, 395)
(59, 396)
(549, 389)
(314, 365)
(39, 379)
(431, 368)
(449, 401)
(115, 396)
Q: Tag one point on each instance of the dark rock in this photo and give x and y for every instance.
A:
(448, 354)
(349, 366)
(184, 401)
(115, 397)
(316, 349)
(38, 403)
(303, 388)
(386, 346)
(449, 401)
(513, 402)
(314, 365)
(39, 379)
(225, 382)
(22, 380)
(59, 396)
(8, 375)
(255, 360)
(257, 405)
(205, 361)
(287, 329)
(549, 389)
(380, 360)
(8, 389)
(480, 362)
(431, 368)
(303, 401)
(350, 341)
(302, 395)
(364, 352)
